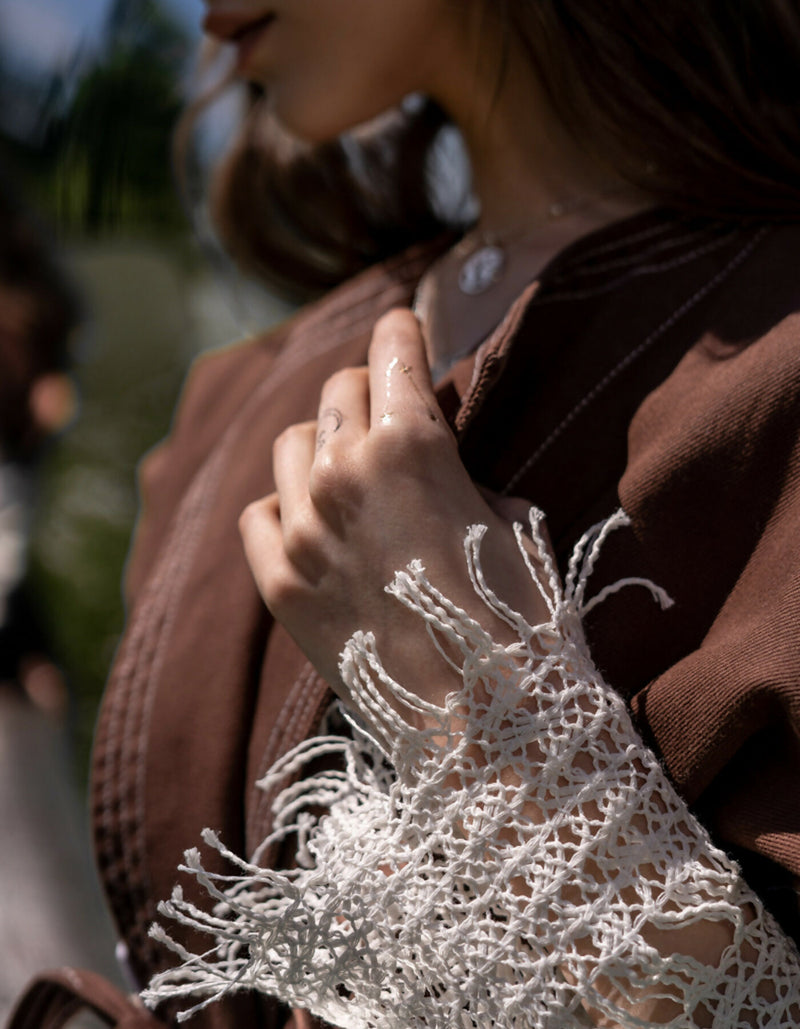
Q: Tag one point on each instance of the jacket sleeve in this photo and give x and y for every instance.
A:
(713, 493)
(521, 861)
(217, 385)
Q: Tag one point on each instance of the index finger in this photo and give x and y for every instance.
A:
(399, 377)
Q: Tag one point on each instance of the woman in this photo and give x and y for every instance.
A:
(353, 488)
(617, 328)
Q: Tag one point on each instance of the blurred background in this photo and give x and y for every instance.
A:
(90, 91)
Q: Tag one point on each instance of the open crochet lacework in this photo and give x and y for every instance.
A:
(523, 861)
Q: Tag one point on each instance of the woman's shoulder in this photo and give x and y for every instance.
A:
(741, 377)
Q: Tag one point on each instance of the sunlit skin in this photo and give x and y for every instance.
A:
(331, 65)
(346, 515)
(349, 503)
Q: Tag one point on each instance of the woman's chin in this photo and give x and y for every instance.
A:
(310, 123)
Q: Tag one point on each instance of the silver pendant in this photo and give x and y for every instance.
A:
(481, 270)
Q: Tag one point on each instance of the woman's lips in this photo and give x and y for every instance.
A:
(248, 40)
(240, 29)
(235, 26)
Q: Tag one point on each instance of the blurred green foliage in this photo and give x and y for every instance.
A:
(96, 156)
(91, 146)
(92, 153)
(138, 345)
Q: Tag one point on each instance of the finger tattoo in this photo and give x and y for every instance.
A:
(331, 414)
(397, 365)
(335, 414)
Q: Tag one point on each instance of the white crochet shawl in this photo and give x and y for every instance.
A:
(523, 862)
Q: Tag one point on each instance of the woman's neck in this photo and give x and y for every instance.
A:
(523, 160)
(538, 192)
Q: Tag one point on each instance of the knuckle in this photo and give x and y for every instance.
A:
(388, 447)
(282, 593)
(414, 444)
(429, 434)
(291, 434)
(324, 475)
(246, 519)
(300, 539)
(281, 441)
(252, 515)
(341, 377)
(331, 480)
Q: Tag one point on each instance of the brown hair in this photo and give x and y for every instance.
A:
(305, 218)
(694, 101)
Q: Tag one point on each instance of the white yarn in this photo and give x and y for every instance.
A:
(514, 865)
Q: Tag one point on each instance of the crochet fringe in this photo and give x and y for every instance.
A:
(510, 866)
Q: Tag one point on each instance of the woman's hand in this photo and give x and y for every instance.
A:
(545, 834)
(375, 482)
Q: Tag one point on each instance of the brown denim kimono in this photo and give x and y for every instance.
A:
(655, 366)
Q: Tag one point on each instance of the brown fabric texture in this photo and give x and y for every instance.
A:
(656, 365)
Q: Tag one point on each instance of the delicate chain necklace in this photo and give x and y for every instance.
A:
(469, 270)
(484, 255)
